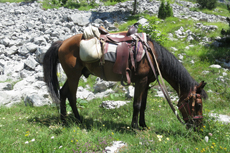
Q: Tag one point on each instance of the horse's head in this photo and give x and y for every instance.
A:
(191, 107)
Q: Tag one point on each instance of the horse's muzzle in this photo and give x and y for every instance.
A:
(196, 124)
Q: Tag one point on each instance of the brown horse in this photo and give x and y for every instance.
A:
(67, 53)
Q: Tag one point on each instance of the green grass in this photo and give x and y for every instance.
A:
(109, 3)
(11, 1)
(221, 9)
(38, 129)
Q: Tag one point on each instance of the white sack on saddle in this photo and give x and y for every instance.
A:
(90, 32)
(90, 50)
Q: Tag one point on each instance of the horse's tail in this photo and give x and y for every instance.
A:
(50, 62)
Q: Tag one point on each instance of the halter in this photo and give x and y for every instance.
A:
(185, 103)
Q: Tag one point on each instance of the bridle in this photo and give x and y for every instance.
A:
(193, 98)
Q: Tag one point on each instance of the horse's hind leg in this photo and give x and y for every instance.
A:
(143, 107)
(73, 85)
(140, 88)
(63, 95)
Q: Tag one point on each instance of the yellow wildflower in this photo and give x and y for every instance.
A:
(225, 148)
(196, 148)
(112, 133)
(212, 147)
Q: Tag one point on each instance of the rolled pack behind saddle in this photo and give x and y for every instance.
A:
(121, 48)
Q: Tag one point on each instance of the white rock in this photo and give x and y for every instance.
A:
(181, 57)
(9, 98)
(101, 85)
(85, 94)
(40, 52)
(215, 66)
(189, 38)
(174, 49)
(220, 117)
(116, 146)
(113, 104)
(143, 21)
(130, 92)
(31, 63)
(206, 138)
(5, 86)
(104, 93)
(205, 72)
(35, 99)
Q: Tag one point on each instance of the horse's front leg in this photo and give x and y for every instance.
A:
(140, 87)
(143, 107)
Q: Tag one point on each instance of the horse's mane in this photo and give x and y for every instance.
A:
(173, 68)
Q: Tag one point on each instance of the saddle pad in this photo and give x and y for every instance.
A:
(90, 50)
(110, 50)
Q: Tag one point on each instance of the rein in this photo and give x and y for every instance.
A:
(162, 86)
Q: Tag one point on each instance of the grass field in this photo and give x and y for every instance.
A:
(30, 129)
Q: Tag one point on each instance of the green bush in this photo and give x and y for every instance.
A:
(153, 30)
(209, 4)
(228, 7)
(165, 10)
(116, 0)
(226, 32)
(169, 11)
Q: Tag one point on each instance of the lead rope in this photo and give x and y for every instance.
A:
(163, 88)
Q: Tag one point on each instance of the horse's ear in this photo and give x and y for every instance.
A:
(201, 86)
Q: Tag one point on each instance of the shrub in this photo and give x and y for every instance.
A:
(165, 10)
(153, 30)
(162, 11)
(169, 11)
(226, 32)
(228, 7)
(209, 4)
(116, 0)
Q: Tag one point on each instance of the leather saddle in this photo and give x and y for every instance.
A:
(128, 46)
